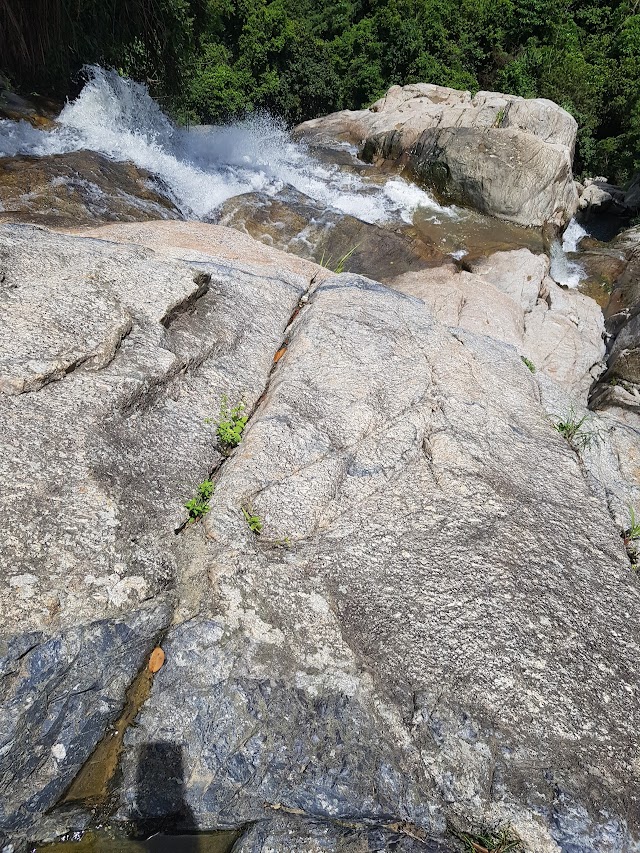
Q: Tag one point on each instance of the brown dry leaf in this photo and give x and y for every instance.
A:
(279, 355)
(156, 659)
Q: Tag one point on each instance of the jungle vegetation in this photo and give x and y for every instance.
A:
(210, 60)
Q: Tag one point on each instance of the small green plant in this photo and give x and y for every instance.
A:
(500, 117)
(253, 521)
(633, 531)
(631, 538)
(493, 841)
(199, 504)
(340, 265)
(578, 431)
(231, 423)
(528, 363)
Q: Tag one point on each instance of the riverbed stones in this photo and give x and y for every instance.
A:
(435, 625)
(503, 155)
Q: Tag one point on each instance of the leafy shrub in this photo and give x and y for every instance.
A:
(198, 506)
(231, 423)
(253, 521)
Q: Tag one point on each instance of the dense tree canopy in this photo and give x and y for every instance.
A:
(213, 59)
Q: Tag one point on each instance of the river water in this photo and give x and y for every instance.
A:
(201, 168)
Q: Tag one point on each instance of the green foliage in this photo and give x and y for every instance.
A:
(340, 263)
(500, 116)
(253, 521)
(492, 841)
(528, 363)
(231, 423)
(631, 537)
(633, 531)
(43, 43)
(199, 504)
(579, 432)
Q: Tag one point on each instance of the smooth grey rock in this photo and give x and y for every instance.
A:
(508, 297)
(437, 622)
(503, 172)
(448, 573)
(459, 298)
(564, 337)
(111, 360)
(518, 273)
(504, 155)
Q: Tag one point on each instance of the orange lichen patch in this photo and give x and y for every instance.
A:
(156, 659)
(279, 355)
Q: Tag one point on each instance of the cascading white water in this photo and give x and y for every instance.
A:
(563, 270)
(204, 166)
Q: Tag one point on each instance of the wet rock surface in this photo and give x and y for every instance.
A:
(81, 187)
(507, 156)
(295, 223)
(435, 624)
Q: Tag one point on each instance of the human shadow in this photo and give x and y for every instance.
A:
(163, 820)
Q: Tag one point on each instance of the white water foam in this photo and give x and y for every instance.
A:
(205, 166)
(563, 269)
(572, 236)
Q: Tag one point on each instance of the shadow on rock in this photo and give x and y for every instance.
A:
(161, 807)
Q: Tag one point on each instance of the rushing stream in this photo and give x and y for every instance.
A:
(201, 168)
(205, 166)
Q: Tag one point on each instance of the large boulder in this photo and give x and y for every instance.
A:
(434, 627)
(504, 155)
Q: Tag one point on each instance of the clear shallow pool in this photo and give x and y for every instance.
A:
(104, 841)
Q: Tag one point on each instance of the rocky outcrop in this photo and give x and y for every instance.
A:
(432, 627)
(507, 156)
(623, 321)
(509, 296)
(616, 397)
(632, 195)
(81, 187)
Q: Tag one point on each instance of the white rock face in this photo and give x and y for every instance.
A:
(509, 297)
(507, 156)
(519, 274)
(435, 624)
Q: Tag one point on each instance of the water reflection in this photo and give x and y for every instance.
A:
(161, 819)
